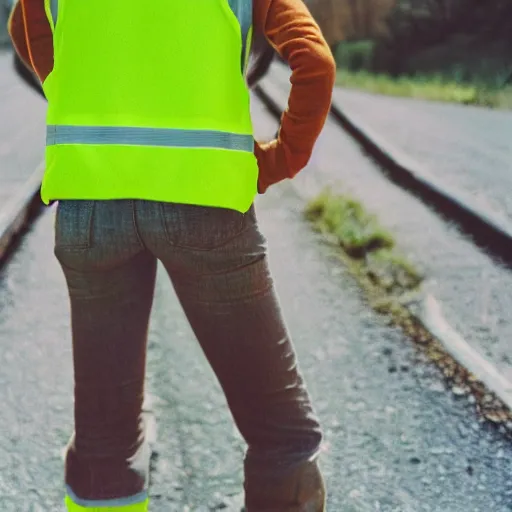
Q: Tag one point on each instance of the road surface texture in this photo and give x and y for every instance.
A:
(396, 440)
(22, 122)
(475, 292)
(469, 148)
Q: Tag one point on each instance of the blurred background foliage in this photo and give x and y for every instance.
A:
(454, 50)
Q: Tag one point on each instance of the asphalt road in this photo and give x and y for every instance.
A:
(396, 440)
(475, 291)
(467, 148)
(22, 128)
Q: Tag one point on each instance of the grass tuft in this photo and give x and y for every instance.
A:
(357, 232)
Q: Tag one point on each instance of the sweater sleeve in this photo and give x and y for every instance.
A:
(32, 36)
(292, 31)
(16, 28)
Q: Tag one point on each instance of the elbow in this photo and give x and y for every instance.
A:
(326, 66)
(313, 62)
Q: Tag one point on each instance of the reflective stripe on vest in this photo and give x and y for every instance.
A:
(242, 9)
(138, 503)
(162, 137)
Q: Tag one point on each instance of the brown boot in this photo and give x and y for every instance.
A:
(302, 490)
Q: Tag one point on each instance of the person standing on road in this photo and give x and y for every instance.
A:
(151, 156)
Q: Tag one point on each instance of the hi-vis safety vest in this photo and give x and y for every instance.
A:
(149, 101)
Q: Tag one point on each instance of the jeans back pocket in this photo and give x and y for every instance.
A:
(199, 227)
(73, 224)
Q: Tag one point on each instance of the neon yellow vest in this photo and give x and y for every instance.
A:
(148, 100)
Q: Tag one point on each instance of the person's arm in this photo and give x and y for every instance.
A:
(32, 37)
(16, 28)
(292, 31)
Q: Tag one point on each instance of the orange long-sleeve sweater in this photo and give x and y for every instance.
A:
(290, 29)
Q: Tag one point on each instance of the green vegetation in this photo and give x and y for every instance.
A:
(433, 87)
(357, 232)
(358, 63)
(370, 247)
(391, 284)
(355, 56)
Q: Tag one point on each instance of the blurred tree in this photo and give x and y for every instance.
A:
(460, 36)
(474, 36)
(351, 19)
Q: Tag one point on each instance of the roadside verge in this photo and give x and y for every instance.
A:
(493, 392)
(489, 230)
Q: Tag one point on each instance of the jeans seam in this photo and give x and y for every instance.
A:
(164, 225)
(90, 224)
(135, 226)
